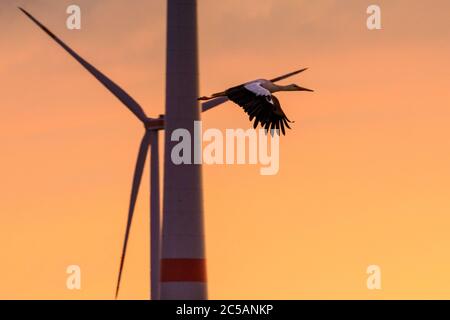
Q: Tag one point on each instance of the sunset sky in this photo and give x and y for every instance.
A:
(364, 175)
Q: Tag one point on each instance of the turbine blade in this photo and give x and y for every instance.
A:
(288, 75)
(124, 97)
(142, 155)
(213, 103)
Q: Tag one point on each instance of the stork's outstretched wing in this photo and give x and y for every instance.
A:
(264, 107)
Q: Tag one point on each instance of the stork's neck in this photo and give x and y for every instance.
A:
(273, 87)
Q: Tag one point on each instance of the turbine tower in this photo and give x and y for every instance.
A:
(183, 265)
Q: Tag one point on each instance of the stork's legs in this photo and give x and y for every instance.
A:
(215, 95)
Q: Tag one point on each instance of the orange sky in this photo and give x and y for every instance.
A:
(364, 174)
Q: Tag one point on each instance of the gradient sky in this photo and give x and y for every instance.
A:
(364, 174)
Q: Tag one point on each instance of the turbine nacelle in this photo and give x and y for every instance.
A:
(154, 124)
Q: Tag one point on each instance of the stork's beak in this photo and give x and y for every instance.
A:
(305, 89)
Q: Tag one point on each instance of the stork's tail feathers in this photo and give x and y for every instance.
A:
(215, 95)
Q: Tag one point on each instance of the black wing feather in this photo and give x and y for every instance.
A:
(269, 115)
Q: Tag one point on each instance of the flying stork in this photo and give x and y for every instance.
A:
(257, 100)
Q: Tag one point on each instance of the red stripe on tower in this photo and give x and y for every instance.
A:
(183, 270)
